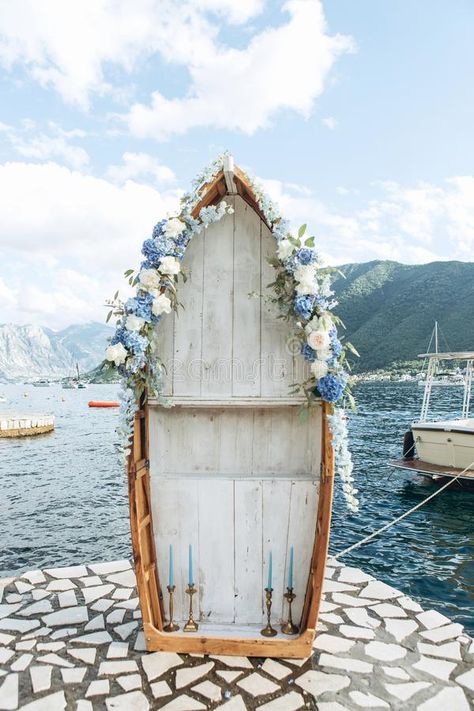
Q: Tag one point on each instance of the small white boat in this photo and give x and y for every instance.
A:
(41, 384)
(444, 448)
(442, 379)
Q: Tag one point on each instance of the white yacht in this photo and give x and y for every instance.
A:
(442, 448)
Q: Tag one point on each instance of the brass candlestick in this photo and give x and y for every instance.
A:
(191, 625)
(289, 627)
(268, 631)
(171, 626)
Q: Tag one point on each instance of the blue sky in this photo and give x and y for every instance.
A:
(357, 116)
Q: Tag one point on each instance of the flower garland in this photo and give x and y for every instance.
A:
(302, 290)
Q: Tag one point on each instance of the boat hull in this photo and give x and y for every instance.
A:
(446, 444)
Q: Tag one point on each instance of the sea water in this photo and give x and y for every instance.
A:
(64, 494)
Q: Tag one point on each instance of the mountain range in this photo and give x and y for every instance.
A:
(389, 310)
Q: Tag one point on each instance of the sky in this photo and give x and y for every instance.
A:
(357, 117)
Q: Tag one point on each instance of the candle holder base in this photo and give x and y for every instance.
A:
(288, 628)
(171, 627)
(269, 631)
(191, 625)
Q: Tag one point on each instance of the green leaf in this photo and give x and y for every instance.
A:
(309, 242)
(352, 349)
(301, 230)
(116, 295)
(128, 272)
(109, 316)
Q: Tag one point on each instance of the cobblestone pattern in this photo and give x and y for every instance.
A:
(70, 638)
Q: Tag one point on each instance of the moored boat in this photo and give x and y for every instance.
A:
(102, 403)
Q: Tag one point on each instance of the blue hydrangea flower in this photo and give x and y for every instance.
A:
(331, 387)
(305, 255)
(304, 306)
(336, 347)
(141, 306)
(308, 353)
(159, 228)
(152, 253)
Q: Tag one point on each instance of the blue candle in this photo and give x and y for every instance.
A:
(290, 569)
(190, 565)
(171, 570)
(270, 566)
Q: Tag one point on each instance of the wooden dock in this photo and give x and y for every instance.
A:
(13, 425)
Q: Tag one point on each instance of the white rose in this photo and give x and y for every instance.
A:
(149, 279)
(174, 227)
(134, 323)
(318, 340)
(116, 354)
(161, 305)
(285, 249)
(305, 275)
(319, 369)
(169, 265)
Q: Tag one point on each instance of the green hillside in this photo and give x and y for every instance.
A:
(389, 308)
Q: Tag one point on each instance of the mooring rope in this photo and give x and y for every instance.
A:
(399, 518)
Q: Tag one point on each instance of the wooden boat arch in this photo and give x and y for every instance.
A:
(231, 468)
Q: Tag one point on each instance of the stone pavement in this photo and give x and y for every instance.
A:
(70, 639)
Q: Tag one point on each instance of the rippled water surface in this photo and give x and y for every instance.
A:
(64, 495)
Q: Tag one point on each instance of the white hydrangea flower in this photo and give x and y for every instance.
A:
(161, 305)
(319, 340)
(325, 321)
(169, 265)
(116, 354)
(285, 249)
(134, 323)
(149, 279)
(174, 227)
(319, 369)
(305, 275)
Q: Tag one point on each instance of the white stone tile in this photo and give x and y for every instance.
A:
(320, 627)
(385, 652)
(117, 650)
(361, 617)
(229, 676)
(431, 619)
(451, 698)
(36, 608)
(357, 632)
(131, 604)
(331, 618)
(96, 623)
(40, 677)
(40, 632)
(332, 586)
(157, 663)
(90, 581)
(327, 606)
(101, 637)
(122, 593)
(332, 643)
(353, 575)
(130, 682)
(25, 646)
(9, 692)
(59, 585)
(233, 662)
(12, 598)
(403, 692)
(289, 702)
(35, 577)
(450, 650)
(140, 644)
(368, 701)
(160, 689)
(11, 624)
(334, 563)
(346, 663)
(53, 702)
(380, 591)
(317, 682)
(121, 667)
(399, 629)
(189, 675)
(99, 687)
(438, 668)
(6, 638)
(87, 654)
(83, 705)
(132, 701)
(54, 659)
(115, 617)
(114, 566)
(40, 594)
(102, 605)
(21, 663)
(5, 654)
(126, 579)
(441, 634)
(94, 593)
(183, 703)
(408, 604)
(295, 662)
(67, 598)
(386, 609)
(235, 704)
(64, 632)
(73, 676)
(23, 587)
(50, 646)
(396, 673)
(351, 601)
(331, 706)
(67, 616)
(209, 690)
(9, 609)
(467, 679)
(275, 669)
(257, 685)
(73, 571)
(124, 631)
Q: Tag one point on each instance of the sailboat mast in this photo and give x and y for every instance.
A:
(436, 336)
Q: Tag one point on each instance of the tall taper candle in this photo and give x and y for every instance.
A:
(270, 567)
(190, 565)
(290, 570)
(171, 570)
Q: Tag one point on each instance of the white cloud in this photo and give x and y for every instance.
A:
(30, 142)
(136, 165)
(330, 122)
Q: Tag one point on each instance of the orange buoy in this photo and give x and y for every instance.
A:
(98, 403)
